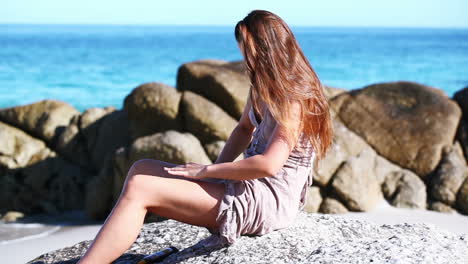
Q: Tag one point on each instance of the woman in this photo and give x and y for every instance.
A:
(286, 117)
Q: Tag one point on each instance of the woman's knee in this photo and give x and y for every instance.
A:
(143, 166)
(137, 178)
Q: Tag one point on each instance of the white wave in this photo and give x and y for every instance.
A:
(20, 232)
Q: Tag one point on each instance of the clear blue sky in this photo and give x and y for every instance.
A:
(389, 13)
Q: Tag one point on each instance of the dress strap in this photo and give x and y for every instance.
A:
(252, 117)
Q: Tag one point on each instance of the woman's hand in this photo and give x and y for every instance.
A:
(189, 170)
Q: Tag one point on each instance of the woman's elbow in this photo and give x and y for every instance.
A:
(269, 170)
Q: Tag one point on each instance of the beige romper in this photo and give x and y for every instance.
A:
(259, 206)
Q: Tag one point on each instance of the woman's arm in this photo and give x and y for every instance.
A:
(266, 164)
(239, 138)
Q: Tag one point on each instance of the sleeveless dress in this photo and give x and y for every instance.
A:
(259, 206)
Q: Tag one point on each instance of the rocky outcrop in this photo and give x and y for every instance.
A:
(405, 122)
(221, 82)
(392, 141)
(152, 107)
(311, 238)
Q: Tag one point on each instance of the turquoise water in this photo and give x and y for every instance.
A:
(89, 66)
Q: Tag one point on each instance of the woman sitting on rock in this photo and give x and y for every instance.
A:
(283, 132)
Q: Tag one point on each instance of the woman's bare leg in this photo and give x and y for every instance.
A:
(182, 199)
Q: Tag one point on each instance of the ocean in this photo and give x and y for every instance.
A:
(96, 66)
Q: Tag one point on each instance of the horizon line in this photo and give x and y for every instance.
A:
(229, 25)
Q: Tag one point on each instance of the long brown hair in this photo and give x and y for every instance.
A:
(281, 76)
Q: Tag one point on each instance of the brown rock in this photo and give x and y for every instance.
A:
(331, 92)
(224, 83)
(170, 146)
(313, 200)
(205, 119)
(461, 97)
(111, 134)
(405, 122)
(99, 198)
(19, 149)
(405, 189)
(346, 144)
(462, 136)
(332, 206)
(51, 185)
(356, 185)
(441, 207)
(12, 216)
(45, 119)
(449, 176)
(462, 198)
(93, 135)
(152, 107)
(213, 150)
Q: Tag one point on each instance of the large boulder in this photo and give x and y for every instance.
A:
(313, 199)
(311, 238)
(45, 119)
(441, 207)
(331, 205)
(462, 136)
(405, 189)
(461, 97)
(214, 148)
(48, 186)
(207, 121)
(94, 135)
(19, 149)
(170, 146)
(449, 176)
(407, 123)
(99, 199)
(152, 107)
(331, 92)
(462, 198)
(81, 134)
(33, 179)
(357, 185)
(224, 83)
(345, 144)
(112, 134)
